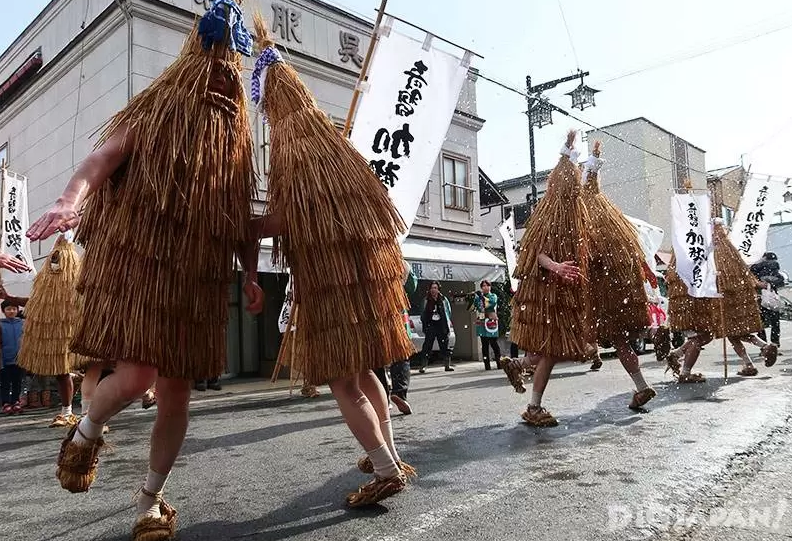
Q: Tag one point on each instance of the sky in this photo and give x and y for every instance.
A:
(714, 73)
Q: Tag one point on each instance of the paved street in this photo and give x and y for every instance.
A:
(710, 461)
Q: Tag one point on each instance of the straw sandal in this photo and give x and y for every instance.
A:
(770, 353)
(672, 362)
(376, 490)
(539, 417)
(640, 398)
(596, 365)
(149, 400)
(514, 372)
(364, 464)
(309, 391)
(63, 420)
(691, 378)
(161, 528)
(748, 371)
(77, 464)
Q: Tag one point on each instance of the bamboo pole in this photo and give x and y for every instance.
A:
(364, 70)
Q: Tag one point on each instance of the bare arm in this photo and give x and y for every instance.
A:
(94, 171)
(567, 270)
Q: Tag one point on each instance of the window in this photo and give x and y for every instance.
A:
(456, 179)
(727, 214)
(4, 153)
(679, 152)
(520, 215)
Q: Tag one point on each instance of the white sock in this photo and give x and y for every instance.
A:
(387, 433)
(148, 505)
(536, 399)
(90, 431)
(66, 410)
(86, 405)
(639, 380)
(384, 465)
(685, 370)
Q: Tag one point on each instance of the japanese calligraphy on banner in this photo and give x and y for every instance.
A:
(405, 113)
(15, 219)
(506, 230)
(760, 201)
(692, 240)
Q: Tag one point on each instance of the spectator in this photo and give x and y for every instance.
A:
(486, 304)
(768, 272)
(436, 322)
(10, 340)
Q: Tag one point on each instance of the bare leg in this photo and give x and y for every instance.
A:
(739, 349)
(375, 393)
(627, 356)
(692, 351)
(756, 341)
(88, 386)
(116, 392)
(65, 391)
(535, 414)
(167, 438)
(362, 419)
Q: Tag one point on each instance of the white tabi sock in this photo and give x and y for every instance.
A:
(639, 381)
(148, 505)
(387, 432)
(66, 410)
(86, 405)
(383, 462)
(685, 370)
(536, 400)
(87, 432)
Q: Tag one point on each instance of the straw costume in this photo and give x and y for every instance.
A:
(190, 174)
(159, 239)
(52, 313)
(619, 305)
(339, 239)
(550, 314)
(741, 317)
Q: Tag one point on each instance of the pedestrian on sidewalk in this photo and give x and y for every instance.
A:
(339, 237)
(213, 384)
(486, 305)
(436, 324)
(166, 198)
(768, 272)
(11, 329)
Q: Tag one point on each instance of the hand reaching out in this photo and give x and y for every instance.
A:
(13, 264)
(61, 217)
(568, 271)
(255, 297)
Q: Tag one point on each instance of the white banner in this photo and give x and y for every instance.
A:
(285, 313)
(650, 237)
(692, 240)
(405, 112)
(760, 201)
(15, 224)
(506, 230)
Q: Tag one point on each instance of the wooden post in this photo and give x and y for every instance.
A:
(364, 70)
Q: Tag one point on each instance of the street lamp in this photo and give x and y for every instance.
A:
(540, 114)
(583, 95)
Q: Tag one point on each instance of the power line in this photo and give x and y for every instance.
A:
(569, 35)
(606, 132)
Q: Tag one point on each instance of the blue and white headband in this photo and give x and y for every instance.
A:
(268, 57)
(225, 16)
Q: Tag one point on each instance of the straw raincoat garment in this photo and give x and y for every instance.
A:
(160, 235)
(339, 237)
(688, 313)
(616, 278)
(51, 315)
(550, 317)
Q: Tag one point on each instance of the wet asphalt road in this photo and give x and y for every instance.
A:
(710, 461)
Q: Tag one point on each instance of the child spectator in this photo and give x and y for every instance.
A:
(10, 340)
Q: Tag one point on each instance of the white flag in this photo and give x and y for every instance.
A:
(15, 225)
(692, 240)
(760, 201)
(506, 230)
(285, 313)
(405, 113)
(650, 237)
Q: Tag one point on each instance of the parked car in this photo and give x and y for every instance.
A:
(786, 308)
(418, 340)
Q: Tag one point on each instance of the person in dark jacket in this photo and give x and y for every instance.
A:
(10, 339)
(768, 272)
(436, 323)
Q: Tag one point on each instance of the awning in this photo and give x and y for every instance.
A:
(449, 261)
(430, 260)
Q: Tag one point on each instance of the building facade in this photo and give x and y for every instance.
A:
(642, 179)
(78, 63)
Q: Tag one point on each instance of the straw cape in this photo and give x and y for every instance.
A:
(616, 278)
(160, 236)
(51, 315)
(687, 313)
(549, 317)
(339, 237)
(737, 284)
